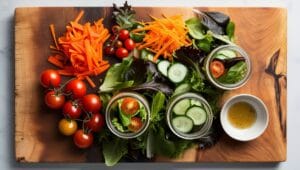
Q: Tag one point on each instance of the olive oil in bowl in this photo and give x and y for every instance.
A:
(241, 115)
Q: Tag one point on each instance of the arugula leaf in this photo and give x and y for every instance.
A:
(117, 125)
(235, 73)
(195, 28)
(157, 105)
(114, 78)
(114, 150)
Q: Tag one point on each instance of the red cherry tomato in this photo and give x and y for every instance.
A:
(91, 103)
(130, 106)
(123, 34)
(54, 100)
(72, 109)
(50, 78)
(135, 124)
(77, 88)
(109, 50)
(129, 44)
(96, 122)
(118, 44)
(121, 52)
(83, 140)
(217, 68)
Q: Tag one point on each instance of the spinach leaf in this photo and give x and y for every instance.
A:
(235, 73)
(206, 43)
(157, 105)
(219, 18)
(195, 28)
(136, 72)
(223, 38)
(230, 30)
(114, 150)
(114, 78)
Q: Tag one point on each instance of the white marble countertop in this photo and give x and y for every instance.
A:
(7, 86)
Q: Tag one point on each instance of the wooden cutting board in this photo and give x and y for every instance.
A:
(260, 31)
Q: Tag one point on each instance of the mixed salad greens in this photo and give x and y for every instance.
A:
(159, 59)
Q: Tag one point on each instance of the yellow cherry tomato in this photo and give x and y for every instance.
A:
(67, 127)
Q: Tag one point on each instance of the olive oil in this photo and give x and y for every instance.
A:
(241, 115)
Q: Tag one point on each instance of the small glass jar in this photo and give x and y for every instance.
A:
(227, 86)
(109, 114)
(198, 131)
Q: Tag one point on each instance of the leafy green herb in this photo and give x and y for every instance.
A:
(157, 105)
(114, 79)
(117, 125)
(143, 113)
(114, 150)
(124, 16)
(195, 28)
(223, 38)
(230, 30)
(235, 73)
(206, 43)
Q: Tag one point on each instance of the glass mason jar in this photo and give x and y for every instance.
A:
(240, 53)
(109, 115)
(198, 131)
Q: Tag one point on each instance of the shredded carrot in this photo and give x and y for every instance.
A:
(164, 36)
(80, 49)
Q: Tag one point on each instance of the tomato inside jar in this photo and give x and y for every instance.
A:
(130, 106)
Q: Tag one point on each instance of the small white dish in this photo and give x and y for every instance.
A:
(258, 127)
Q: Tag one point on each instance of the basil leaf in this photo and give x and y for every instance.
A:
(195, 28)
(157, 104)
(234, 74)
(114, 150)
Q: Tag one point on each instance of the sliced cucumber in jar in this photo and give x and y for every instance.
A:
(182, 124)
(177, 72)
(197, 114)
(196, 103)
(181, 107)
(163, 67)
(227, 53)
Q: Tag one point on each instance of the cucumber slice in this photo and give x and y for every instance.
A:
(182, 88)
(163, 66)
(182, 124)
(227, 53)
(177, 72)
(196, 103)
(181, 107)
(197, 114)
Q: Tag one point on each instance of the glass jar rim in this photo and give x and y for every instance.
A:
(196, 135)
(223, 85)
(109, 124)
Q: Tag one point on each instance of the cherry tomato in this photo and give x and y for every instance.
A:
(118, 44)
(54, 100)
(121, 52)
(109, 50)
(77, 88)
(91, 103)
(115, 29)
(123, 34)
(72, 109)
(67, 127)
(135, 124)
(96, 122)
(130, 106)
(50, 78)
(217, 68)
(129, 44)
(83, 140)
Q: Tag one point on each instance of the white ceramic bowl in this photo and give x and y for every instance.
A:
(259, 126)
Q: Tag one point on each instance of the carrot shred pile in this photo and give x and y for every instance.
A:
(79, 52)
(164, 36)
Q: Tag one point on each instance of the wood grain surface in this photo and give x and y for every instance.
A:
(260, 31)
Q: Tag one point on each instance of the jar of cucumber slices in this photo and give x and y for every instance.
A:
(189, 116)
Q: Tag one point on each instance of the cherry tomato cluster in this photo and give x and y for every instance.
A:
(120, 44)
(77, 107)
